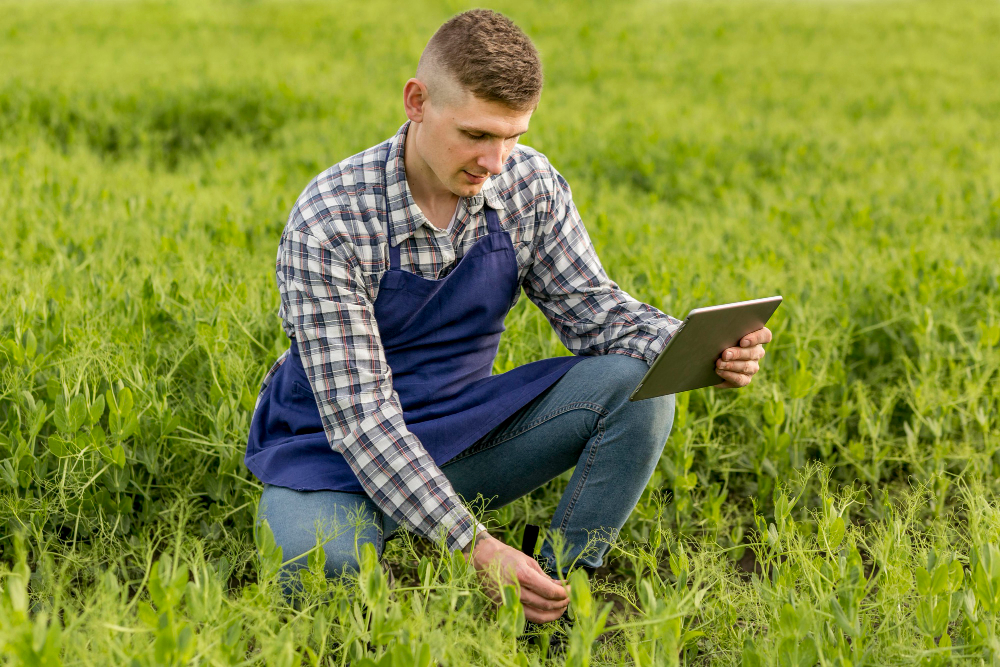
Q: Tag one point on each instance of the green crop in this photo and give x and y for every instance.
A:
(840, 511)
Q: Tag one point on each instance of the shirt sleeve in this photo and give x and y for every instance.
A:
(588, 311)
(325, 301)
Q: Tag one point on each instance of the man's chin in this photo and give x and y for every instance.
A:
(468, 189)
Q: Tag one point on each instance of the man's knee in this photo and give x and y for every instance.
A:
(340, 557)
(301, 528)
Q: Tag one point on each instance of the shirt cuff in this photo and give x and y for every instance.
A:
(459, 528)
(645, 347)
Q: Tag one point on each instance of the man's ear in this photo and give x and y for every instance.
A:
(414, 99)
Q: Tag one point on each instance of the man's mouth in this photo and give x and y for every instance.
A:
(473, 178)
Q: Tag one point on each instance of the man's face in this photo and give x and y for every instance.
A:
(467, 140)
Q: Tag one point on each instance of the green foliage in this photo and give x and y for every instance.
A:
(840, 511)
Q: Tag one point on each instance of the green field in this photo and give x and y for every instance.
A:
(840, 511)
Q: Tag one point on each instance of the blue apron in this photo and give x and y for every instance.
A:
(440, 338)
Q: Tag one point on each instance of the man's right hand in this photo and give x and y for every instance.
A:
(544, 599)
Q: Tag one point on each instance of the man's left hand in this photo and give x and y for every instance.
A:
(737, 365)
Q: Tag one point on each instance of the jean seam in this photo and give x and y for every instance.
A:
(537, 421)
(583, 476)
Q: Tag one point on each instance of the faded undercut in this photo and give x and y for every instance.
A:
(485, 53)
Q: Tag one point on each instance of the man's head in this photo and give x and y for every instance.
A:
(477, 83)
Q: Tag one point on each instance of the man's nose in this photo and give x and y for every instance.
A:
(492, 159)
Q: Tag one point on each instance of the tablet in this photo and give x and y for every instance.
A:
(688, 360)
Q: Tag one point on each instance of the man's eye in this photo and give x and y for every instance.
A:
(474, 136)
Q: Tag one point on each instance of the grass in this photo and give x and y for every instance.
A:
(841, 511)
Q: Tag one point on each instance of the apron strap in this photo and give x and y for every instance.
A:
(492, 220)
(393, 249)
(393, 255)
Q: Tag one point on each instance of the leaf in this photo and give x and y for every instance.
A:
(14, 351)
(30, 344)
(8, 473)
(169, 424)
(157, 590)
(751, 658)
(97, 410)
(268, 550)
(510, 615)
(940, 579)
(690, 636)
(61, 416)
(836, 532)
(316, 560)
(247, 400)
(57, 445)
(125, 402)
(105, 453)
(376, 588)
(789, 619)
(774, 412)
(53, 388)
(129, 427)
(956, 574)
(580, 597)
(148, 615)
(459, 565)
(941, 613)
(118, 456)
(801, 383)
(77, 413)
(923, 581)
(425, 571)
(112, 403)
(844, 623)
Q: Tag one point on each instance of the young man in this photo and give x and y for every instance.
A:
(395, 270)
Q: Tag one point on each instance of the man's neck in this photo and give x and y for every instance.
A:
(438, 206)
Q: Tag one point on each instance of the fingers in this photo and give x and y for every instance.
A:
(537, 616)
(733, 379)
(759, 337)
(531, 599)
(745, 367)
(510, 565)
(543, 598)
(533, 579)
(742, 354)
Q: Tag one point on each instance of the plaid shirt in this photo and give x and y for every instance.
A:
(331, 257)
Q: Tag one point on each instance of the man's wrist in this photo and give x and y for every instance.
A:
(480, 536)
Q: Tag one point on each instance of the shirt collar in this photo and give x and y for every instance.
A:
(404, 214)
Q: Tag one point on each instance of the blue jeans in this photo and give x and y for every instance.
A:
(584, 421)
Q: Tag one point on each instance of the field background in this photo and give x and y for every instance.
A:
(841, 511)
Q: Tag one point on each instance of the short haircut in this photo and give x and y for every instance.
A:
(488, 55)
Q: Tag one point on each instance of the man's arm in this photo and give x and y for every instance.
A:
(324, 299)
(591, 314)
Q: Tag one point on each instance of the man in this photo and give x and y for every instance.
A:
(395, 271)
